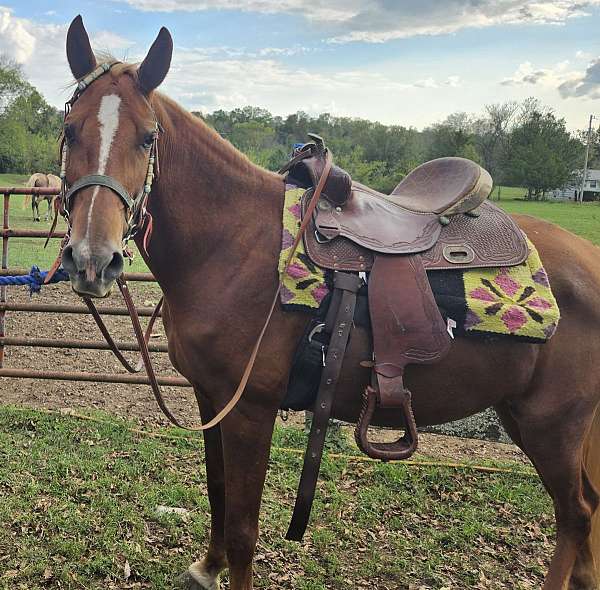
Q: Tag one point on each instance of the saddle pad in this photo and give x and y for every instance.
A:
(491, 239)
(516, 301)
(304, 285)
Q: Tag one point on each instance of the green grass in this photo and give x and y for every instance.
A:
(13, 179)
(508, 192)
(581, 219)
(78, 501)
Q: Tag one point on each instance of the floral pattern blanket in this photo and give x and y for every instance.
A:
(515, 301)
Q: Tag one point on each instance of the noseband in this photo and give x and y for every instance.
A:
(135, 206)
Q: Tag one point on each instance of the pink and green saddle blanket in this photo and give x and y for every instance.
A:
(515, 301)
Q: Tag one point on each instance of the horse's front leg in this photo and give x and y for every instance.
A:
(204, 574)
(247, 433)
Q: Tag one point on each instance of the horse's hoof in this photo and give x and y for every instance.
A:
(193, 579)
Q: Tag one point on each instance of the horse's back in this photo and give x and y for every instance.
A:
(572, 264)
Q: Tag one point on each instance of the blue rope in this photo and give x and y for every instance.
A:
(35, 279)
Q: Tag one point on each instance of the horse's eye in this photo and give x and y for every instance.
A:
(148, 140)
(69, 132)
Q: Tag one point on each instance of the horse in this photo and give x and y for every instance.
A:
(39, 179)
(217, 224)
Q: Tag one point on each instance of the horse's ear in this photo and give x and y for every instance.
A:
(155, 66)
(79, 51)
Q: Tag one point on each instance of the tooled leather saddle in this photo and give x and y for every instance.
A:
(437, 218)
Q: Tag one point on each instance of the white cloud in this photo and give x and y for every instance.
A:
(40, 49)
(377, 21)
(586, 84)
(109, 40)
(551, 77)
(568, 82)
(326, 10)
(15, 40)
(232, 82)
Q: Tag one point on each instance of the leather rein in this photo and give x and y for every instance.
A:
(138, 217)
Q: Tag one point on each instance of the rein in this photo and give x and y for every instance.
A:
(143, 341)
(138, 216)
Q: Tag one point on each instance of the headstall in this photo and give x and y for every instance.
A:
(135, 206)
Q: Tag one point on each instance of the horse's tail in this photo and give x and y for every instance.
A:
(591, 459)
(29, 184)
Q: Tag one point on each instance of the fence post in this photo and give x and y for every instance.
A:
(3, 290)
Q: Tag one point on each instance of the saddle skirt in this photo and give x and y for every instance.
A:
(489, 238)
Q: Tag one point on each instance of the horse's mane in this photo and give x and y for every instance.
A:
(209, 145)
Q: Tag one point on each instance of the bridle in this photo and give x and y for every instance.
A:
(136, 206)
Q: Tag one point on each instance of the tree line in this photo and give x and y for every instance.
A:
(522, 144)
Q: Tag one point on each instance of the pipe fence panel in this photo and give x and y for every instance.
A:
(26, 249)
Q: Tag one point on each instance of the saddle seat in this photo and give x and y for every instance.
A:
(445, 186)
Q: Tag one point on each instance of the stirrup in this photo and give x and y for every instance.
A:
(402, 448)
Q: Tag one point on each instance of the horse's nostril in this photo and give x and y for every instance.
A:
(67, 260)
(115, 266)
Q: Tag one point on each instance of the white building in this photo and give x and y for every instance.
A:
(591, 190)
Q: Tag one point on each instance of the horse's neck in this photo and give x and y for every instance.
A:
(212, 207)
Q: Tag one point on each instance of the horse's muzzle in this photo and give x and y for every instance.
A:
(92, 273)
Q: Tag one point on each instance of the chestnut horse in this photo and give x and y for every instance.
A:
(214, 250)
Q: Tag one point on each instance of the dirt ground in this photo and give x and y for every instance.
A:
(136, 401)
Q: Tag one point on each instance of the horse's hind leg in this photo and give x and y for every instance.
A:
(204, 574)
(35, 209)
(584, 572)
(553, 437)
(49, 201)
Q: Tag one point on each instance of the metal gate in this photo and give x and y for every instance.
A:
(8, 306)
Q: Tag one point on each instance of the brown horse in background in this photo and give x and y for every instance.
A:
(39, 179)
(214, 250)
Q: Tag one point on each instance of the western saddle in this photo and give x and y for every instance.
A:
(436, 218)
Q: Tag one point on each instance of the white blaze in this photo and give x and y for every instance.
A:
(108, 118)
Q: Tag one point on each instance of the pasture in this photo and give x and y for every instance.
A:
(79, 494)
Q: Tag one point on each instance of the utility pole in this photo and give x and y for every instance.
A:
(587, 155)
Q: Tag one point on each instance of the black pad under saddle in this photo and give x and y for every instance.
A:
(489, 239)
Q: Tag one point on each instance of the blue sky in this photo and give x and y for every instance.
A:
(408, 62)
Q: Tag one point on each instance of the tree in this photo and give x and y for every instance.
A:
(491, 136)
(455, 136)
(29, 126)
(541, 153)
